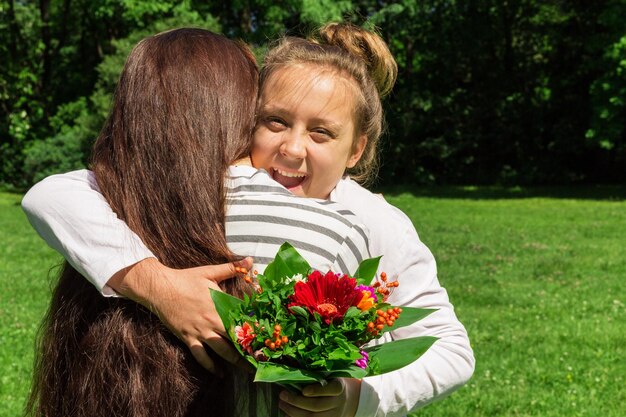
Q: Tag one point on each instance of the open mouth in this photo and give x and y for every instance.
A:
(288, 179)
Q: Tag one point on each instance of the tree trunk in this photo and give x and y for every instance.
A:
(44, 11)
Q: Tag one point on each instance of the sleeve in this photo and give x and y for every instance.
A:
(447, 365)
(70, 214)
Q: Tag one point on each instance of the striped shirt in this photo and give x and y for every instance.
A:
(261, 215)
(71, 215)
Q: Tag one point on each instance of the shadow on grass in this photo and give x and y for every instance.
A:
(583, 192)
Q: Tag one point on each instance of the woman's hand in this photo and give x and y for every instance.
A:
(339, 398)
(181, 299)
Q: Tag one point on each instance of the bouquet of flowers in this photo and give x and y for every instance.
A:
(303, 326)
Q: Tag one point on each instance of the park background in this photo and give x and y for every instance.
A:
(506, 146)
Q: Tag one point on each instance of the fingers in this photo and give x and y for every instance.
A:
(223, 348)
(315, 398)
(222, 272)
(317, 409)
(198, 352)
(333, 388)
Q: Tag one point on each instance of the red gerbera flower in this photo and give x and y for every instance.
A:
(329, 295)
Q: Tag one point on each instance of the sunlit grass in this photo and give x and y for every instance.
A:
(538, 282)
(24, 291)
(537, 276)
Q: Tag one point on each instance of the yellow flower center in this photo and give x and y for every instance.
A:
(327, 309)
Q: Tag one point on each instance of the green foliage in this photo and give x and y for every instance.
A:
(488, 91)
(609, 96)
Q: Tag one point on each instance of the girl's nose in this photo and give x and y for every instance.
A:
(293, 146)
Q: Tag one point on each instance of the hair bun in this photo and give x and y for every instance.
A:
(367, 46)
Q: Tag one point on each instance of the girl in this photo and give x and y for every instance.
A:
(320, 116)
(161, 159)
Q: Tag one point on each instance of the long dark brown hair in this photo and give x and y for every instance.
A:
(183, 110)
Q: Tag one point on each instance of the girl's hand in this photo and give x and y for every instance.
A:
(181, 300)
(339, 398)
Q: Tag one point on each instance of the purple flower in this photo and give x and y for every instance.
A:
(362, 363)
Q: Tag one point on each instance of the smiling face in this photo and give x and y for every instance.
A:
(305, 137)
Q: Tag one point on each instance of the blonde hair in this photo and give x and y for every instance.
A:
(362, 56)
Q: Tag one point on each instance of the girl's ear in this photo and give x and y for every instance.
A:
(357, 151)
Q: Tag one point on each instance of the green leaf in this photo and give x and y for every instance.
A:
(299, 311)
(287, 263)
(272, 372)
(352, 312)
(409, 316)
(315, 326)
(399, 353)
(366, 271)
(350, 372)
(224, 304)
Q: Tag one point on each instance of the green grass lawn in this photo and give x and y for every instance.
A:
(537, 276)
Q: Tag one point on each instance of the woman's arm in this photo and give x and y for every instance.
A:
(71, 215)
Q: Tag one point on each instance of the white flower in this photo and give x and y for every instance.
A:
(296, 278)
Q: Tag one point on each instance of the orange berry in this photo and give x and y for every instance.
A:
(267, 342)
(389, 323)
(370, 324)
(376, 284)
(272, 345)
(285, 339)
(256, 272)
(247, 279)
(383, 276)
(380, 320)
(277, 328)
(278, 343)
(380, 326)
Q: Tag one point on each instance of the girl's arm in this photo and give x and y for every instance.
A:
(449, 363)
(71, 215)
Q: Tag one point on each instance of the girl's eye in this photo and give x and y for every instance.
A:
(275, 123)
(321, 135)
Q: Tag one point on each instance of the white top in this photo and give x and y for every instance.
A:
(61, 210)
(449, 363)
(70, 214)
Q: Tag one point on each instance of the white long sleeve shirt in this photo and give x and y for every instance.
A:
(71, 215)
(449, 363)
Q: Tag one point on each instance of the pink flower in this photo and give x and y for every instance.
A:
(328, 295)
(362, 363)
(245, 336)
